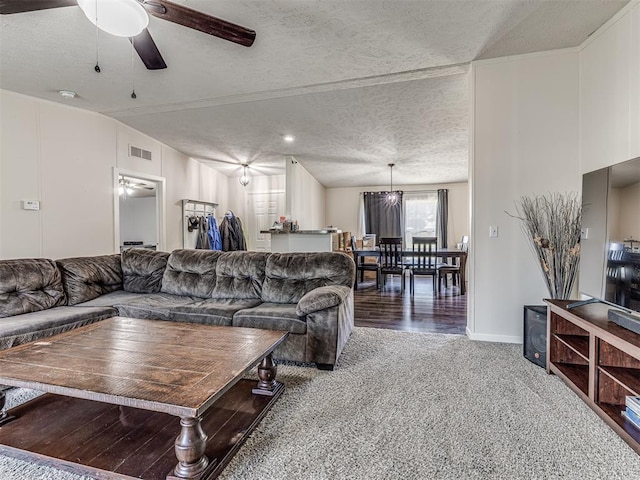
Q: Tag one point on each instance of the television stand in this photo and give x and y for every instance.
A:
(598, 359)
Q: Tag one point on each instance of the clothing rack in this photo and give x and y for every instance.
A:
(198, 208)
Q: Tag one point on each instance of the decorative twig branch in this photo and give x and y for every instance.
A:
(552, 223)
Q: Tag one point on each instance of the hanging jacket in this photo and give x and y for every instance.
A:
(231, 233)
(214, 235)
(203, 238)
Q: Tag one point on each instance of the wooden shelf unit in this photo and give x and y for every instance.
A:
(597, 359)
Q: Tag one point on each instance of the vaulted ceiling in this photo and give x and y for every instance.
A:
(359, 83)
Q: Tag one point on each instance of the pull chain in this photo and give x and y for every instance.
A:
(133, 70)
(97, 67)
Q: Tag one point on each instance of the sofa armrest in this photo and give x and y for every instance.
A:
(322, 298)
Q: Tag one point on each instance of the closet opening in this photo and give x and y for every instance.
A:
(138, 211)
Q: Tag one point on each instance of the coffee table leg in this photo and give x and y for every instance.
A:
(4, 418)
(190, 447)
(267, 384)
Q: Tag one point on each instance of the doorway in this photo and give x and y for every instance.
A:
(138, 211)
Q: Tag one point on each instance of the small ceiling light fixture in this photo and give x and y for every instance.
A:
(123, 18)
(288, 138)
(124, 187)
(392, 197)
(68, 93)
(244, 179)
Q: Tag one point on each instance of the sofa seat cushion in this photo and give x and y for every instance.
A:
(211, 311)
(86, 278)
(27, 327)
(119, 297)
(142, 269)
(191, 272)
(271, 316)
(289, 276)
(29, 285)
(153, 305)
(240, 275)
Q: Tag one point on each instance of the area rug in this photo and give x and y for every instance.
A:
(420, 406)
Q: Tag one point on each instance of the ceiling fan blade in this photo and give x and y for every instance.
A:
(149, 53)
(20, 6)
(200, 21)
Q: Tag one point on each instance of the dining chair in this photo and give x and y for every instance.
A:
(453, 268)
(362, 266)
(391, 259)
(424, 261)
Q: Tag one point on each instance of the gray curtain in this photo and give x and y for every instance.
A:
(442, 218)
(380, 217)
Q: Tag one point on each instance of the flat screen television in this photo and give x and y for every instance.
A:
(610, 244)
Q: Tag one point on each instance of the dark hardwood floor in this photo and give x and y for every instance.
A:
(389, 308)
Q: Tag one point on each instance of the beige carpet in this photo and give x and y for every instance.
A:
(421, 406)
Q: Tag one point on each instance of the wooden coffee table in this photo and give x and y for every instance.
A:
(114, 390)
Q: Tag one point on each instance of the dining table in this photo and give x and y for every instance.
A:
(455, 254)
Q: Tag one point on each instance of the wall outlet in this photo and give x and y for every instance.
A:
(30, 205)
(493, 231)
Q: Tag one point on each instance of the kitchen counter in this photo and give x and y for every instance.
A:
(301, 240)
(299, 232)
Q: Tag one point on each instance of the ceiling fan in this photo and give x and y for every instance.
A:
(143, 42)
(127, 186)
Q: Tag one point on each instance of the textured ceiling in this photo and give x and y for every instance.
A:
(360, 83)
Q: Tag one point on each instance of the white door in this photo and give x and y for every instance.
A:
(263, 209)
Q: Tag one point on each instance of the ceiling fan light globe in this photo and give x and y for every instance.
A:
(122, 18)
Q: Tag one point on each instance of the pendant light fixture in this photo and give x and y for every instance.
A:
(244, 179)
(392, 197)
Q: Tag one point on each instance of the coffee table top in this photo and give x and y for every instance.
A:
(175, 368)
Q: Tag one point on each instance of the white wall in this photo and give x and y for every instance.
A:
(138, 220)
(525, 128)
(305, 197)
(610, 92)
(343, 207)
(609, 129)
(64, 157)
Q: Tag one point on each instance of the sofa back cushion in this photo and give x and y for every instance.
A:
(240, 275)
(29, 285)
(142, 269)
(289, 276)
(86, 278)
(191, 272)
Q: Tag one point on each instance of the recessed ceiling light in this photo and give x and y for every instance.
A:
(68, 93)
(288, 138)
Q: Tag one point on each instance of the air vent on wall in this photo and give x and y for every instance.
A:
(139, 152)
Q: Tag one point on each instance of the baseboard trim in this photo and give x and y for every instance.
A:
(485, 337)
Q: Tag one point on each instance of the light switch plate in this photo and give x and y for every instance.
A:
(493, 231)
(585, 233)
(30, 205)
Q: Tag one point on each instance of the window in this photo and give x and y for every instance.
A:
(420, 213)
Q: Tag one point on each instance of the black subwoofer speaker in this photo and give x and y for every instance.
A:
(535, 334)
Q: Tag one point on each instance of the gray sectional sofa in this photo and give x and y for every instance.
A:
(310, 295)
